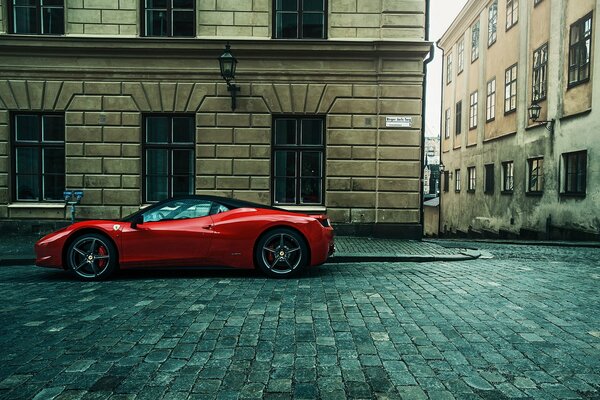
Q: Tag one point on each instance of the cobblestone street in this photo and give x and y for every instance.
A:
(525, 323)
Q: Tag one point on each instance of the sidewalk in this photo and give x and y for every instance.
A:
(17, 249)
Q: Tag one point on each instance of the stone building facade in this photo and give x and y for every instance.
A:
(505, 173)
(124, 99)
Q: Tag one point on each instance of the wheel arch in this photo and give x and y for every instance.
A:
(275, 227)
(81, 232)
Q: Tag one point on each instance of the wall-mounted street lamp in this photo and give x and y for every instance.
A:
(534, 115)
(228, 63)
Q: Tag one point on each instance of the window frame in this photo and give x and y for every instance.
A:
(492, 23)
(40, 145)
(490, 100)
(446, 181)
(510, 88)
(475, 40)
(169, 10)
(458, 117)
(298, 149)
(473, 109)
(460, 61)
(457, 182)
(447, 126)
(508, 180)
(539, 175)
(539, 76)
(300, 6)
(579, 156)
(512, 10)
(578, 47)
(170, 147)
(10, 14)
(489, 178)
(471, 179)
(449, 72)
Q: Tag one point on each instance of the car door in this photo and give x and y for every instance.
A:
(173, 233)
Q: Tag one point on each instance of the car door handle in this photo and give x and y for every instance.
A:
(207, 227)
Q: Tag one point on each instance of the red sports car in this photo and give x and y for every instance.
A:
(191, 231)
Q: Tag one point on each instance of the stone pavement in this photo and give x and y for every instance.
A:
(17, 249)
(525, 324)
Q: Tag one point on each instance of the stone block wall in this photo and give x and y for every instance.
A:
(102, 17)
(231, 18)
(3, 27)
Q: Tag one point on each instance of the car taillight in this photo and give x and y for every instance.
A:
(325, 222)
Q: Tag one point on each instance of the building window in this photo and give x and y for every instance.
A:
(536, 2)
(471, 174)
(298, 160)
(448, 69)
(457, 180)
(447, 124)
(475, 42)
(473, 114)
(461, 56)
(169, 157)
(38, 17)
(575, 172)
(458, 114)
(446, 181)
(492, 23)
(299, 19)
(490, 102)
(510, 89)
(38, 156)
(580, 51)
(507, 177)
(512, 13)
(489, 179)
(172, 18)
(535, 179)
(540, 73)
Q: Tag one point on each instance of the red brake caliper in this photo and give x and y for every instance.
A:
(102, 252)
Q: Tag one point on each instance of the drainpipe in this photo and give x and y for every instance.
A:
(423, 106)
(442, 122)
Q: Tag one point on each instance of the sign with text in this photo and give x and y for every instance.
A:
(398, 122)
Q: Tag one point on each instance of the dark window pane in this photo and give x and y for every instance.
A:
(157, 129)
(59, 3)
(183, 4)
(285, 163)
(285, 190)
(54, 160)
(183, 130)
(27, 160)
(183, 162)
(27, 127)
(183, 23)
(156, 4)
(54, 185)
(156, 23)
(287, 25)
(310, 190)
(286, 5)
(312, 132)
(311, 164)
(157, 187)
(285, 131)
(53, 128)
(53, 21)
(313, 5)
(25, 2)
(157, 162)
(312, 25)
(27, 187)
(182, 185)
(25, 20)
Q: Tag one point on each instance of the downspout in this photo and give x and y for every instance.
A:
(423, 107)
(442, 127)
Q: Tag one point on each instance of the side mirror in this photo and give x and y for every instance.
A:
(138, 220)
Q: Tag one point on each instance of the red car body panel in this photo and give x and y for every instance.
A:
(223, 239)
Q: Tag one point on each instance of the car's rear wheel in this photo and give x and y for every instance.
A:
(281, 253)
(92, 257)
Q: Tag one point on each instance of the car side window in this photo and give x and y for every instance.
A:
(179, 209)
(218, 208)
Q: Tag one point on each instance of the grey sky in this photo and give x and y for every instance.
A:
(442, 14)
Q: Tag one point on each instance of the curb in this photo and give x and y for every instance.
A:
(549, 243)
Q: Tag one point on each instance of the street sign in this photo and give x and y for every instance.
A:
(398, 122)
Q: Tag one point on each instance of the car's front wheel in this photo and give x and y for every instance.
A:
(91, 257)
(281, 253)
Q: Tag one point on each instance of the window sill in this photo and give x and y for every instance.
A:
(507, 192)
(56, 206)
(315, 208)
(534, 194)
(471, 191)
(576, 195)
